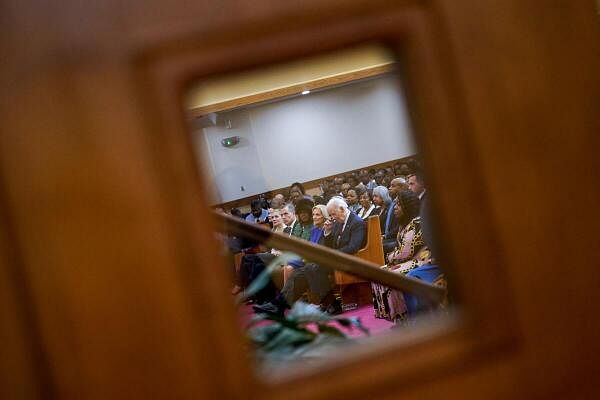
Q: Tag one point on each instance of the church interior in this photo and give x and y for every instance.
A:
(277, 144)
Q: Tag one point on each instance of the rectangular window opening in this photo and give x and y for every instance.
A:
(322, 150)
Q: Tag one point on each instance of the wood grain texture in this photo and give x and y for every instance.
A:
(24, 369)
(292, 90)
(372, 252)
(111, 285)
(530, 94)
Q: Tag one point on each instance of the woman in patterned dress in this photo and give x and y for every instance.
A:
(410, 253)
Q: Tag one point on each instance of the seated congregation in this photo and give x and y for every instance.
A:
(392, 202)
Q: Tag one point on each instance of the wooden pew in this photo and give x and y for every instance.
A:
(332, 259)
(356, 291)
(352, 290)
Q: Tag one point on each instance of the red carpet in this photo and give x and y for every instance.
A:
(365, 313)
(367, 317)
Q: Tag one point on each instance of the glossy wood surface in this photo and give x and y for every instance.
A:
(372, 252)
(110, 283)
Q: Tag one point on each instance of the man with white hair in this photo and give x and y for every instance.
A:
(344, 231)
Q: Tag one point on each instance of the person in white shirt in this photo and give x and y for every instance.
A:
(367, 206)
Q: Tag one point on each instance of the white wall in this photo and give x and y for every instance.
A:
(235, 171)
(307, 137)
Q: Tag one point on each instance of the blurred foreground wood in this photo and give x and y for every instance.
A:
(110, 282)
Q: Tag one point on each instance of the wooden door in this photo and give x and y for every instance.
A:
(109, 283)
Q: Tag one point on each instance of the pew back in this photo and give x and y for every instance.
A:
(373, 252)
(355, 291)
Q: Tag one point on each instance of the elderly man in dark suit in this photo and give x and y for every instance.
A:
(344, 231)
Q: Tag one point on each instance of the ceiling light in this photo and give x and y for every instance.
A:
(305, 91)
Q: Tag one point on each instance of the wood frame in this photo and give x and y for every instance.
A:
(292, 90)
(434, 96)
(110, 286)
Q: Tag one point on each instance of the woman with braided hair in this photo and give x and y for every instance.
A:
(409, 254)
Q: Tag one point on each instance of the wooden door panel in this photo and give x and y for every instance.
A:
(529, 90)
(110, 282)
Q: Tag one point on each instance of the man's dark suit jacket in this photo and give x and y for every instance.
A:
(394, 223)
(352, 239)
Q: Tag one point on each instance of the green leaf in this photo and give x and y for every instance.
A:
(287, 337)
(304, 312)
(265, 276)
(256, 318)
(263, 334)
